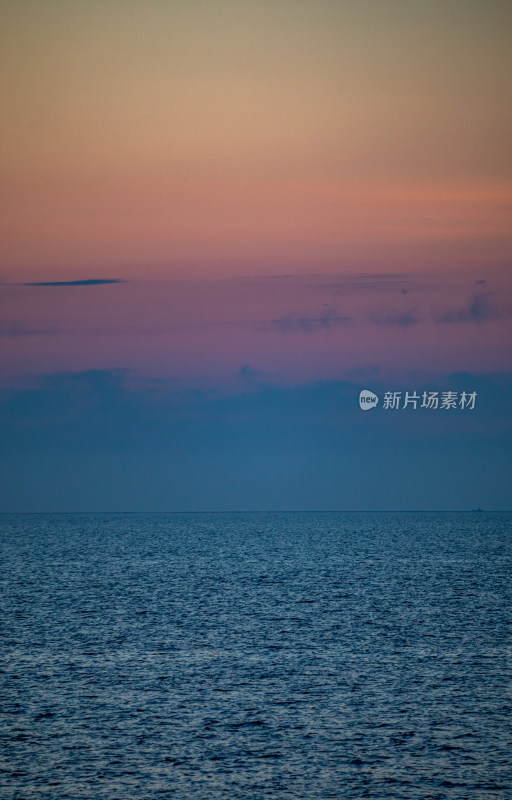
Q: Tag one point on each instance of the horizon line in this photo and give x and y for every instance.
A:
(286, 511)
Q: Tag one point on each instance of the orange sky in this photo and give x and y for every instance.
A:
(190, 139)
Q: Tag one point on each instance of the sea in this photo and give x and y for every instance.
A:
(256, 655)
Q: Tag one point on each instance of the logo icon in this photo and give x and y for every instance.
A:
(367, 399)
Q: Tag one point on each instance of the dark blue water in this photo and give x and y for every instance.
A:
(256, 656)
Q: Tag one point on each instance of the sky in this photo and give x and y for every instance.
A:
(222, 221)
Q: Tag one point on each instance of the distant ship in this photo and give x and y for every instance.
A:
(477, 509)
